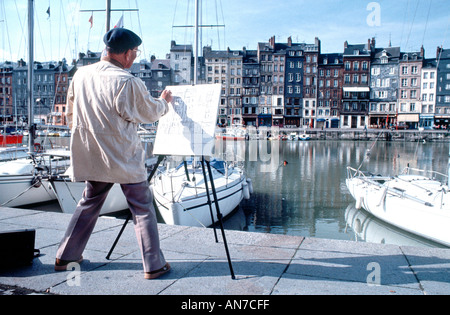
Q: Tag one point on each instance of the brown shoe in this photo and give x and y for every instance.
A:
(157, 273)
(61, 265)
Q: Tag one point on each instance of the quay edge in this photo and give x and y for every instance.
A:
(373, 134)
(264, 264)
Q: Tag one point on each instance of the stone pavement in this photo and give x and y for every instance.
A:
(264, 264)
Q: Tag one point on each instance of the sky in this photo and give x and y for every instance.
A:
(66, 31)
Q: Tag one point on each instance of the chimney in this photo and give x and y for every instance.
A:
(438, 52)
(289, 43)
(272, 42)
(422, 52)
(345, 45)
(373, 43)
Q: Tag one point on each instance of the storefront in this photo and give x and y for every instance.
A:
(290, 122)
(441, 122)
(334, 122)
(382, 120)
(278, 121)
(322, 123)
(265, 120)
(250, 120)
(411, 120)
(426, 121)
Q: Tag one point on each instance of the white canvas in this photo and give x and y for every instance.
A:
(189, 126)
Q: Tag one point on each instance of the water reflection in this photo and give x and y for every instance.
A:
(368, 228)
(308, 195)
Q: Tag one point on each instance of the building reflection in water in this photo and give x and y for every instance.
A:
(307, 196)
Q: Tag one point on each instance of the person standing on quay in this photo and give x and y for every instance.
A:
(105, 104)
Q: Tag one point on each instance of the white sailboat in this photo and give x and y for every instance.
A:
(22, 181)
(368, 228)
(25, 181)
(414, 201)
(181, 193)
(69, 193)
(181, 196)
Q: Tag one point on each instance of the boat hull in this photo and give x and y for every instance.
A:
(304, 138)
(429, 221)
(21, 190)
(10, 139)
(195, 210)
(69, 194)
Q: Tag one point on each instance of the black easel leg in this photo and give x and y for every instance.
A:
(209, 199)
(119, 235)
(219, 216)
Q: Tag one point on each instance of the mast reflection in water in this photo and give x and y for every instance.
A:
(307, 196)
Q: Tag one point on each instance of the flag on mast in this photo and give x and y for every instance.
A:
(48, 12)
(91, 20)
(119, 23)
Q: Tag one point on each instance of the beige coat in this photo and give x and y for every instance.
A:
(105, 104)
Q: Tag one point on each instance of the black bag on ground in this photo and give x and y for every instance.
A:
(17, 248)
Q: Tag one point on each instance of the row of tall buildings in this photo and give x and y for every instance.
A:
(278, 84)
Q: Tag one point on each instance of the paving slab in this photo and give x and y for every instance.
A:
(263, 264)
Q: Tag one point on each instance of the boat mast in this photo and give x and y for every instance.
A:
(196, 42)
(31, 125)
(108, 15)
(448, 169)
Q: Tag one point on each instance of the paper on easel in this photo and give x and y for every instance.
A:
(188, 128)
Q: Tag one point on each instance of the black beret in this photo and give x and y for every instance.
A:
(121, 39)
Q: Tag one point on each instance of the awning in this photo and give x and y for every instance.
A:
(357, 89)
(320, 119)
(408, 118)
(379, 115)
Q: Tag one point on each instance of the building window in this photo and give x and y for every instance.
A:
(347, 78)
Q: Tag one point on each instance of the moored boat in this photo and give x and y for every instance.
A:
(413, 202)
(10, 139)
(182, 198)
(69, 193)
(25, 181)
(304, 137)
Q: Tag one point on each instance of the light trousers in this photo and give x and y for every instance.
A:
(140, 202)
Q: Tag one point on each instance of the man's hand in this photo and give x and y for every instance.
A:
(167, 95)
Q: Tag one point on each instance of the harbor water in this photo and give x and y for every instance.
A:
(305, 193)
(299, 186)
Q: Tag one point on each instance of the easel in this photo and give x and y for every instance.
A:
(216, 202)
